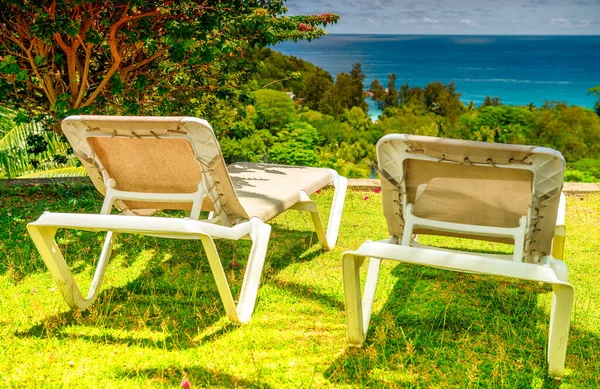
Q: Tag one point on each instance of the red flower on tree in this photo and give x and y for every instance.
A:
(304, 27)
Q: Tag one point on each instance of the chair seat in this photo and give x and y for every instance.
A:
(266, 190)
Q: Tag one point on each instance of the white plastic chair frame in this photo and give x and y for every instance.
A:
(43, 232)
(549, 269)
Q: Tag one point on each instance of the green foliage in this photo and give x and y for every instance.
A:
(273, 109)
(436, 97)
(579, 176)
(358, 120)
(296, 145)
(26, 148)
(331, 131)
(317, 84)
(406, 121)
(284, 73)
(248, 149)
(434, 110)
(501, 124)
(347, 92)
(595, 91)
(138, 57)
(573, 130)
(327, 123)
(491, 102)
(584, 170)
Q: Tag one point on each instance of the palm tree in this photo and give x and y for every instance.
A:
(27, 151)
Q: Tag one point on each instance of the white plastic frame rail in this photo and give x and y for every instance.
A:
(43, 232)
(359, 308)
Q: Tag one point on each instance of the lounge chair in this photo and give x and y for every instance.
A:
(145, 164)
(477, 190)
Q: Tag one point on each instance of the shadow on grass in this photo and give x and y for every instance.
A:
(435, 323)
(196, 375)
(172, 302)
(20, 205)
(303, 291)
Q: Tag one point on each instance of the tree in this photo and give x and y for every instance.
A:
(443, 99)
(391, 97)
(377, 92)
(596, 92)
(274, 109)
(358, 120)
(252, 148)
(315, 87)
(297, 145)
(282, 72)
(343, 95)
(491, 102)
(413, 97)
(357, 98)
(136, 57)
(405, 120)
(26, 149)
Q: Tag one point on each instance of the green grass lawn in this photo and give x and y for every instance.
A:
(159, 318)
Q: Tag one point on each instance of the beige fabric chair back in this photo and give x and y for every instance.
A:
(155, 155)
(477, 183)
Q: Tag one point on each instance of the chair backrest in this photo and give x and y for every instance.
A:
(155, 155)
(476, 183)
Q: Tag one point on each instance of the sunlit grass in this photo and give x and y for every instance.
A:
(159, 318)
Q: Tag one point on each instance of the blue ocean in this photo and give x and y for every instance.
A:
(518, 69)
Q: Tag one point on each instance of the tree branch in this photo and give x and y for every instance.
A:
(23, 33)
(114, 50)
(144, 62)
(84, 77)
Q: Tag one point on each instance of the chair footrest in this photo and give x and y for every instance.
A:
(142, 225)
(462, 262)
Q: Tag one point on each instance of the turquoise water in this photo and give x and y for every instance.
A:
(518, 69)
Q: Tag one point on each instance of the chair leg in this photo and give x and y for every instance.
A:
(358, 309)
(43, 238)
(259, 234)
(337, 205)
(560, 318)
(260, 240)
(101, 267)
(220, 278)
(327, 239)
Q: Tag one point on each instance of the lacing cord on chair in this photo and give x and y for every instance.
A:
(410, 149)
(133, 134)
(218, 200)
(537, 205)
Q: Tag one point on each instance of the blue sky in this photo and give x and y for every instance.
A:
(472, 17)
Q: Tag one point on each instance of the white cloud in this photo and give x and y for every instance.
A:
(406, 22)
(560, 22)
(430, 20)
(470, 23)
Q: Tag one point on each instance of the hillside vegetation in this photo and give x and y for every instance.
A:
(327, 123)
(299, 114)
